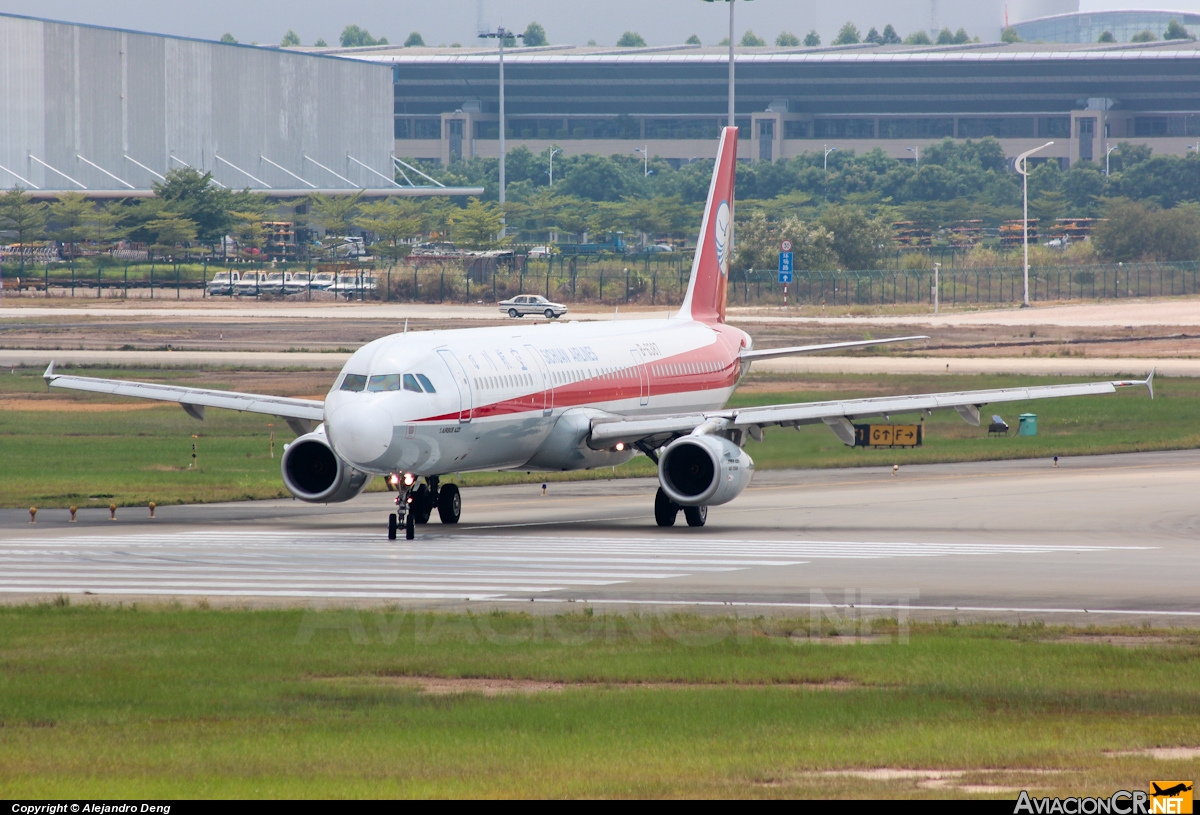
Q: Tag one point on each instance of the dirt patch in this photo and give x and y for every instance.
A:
(1161, 753)
(1120, 641)
(949, 780)
(442, 686)
(74, 406)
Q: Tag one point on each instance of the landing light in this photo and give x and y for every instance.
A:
(395, 479)
(409, 479)
(620, 446)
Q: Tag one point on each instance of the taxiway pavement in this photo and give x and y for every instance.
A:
(1103, 539)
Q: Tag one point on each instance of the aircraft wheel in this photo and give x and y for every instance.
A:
(392, 527)
(696, 516)
(410, 526)
(665, 510)
(512, 312)
(422, 504)
(549, 314)
(449, 504)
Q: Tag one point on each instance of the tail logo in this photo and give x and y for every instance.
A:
(721, 237)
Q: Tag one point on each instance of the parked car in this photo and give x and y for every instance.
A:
(655, 248)
(540, 251)
(248, 283)
(524, 304)
(275, 283)
(222, 283)
(353, 285)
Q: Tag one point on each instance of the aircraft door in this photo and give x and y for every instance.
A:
(643, 376)
(547, 383)
(465, 398)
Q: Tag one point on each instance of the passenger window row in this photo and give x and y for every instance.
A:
(686, 368)
(506, 381)
(380, 383)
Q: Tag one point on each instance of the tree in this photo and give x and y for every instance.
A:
(961, 36)
(758, 241)
(1083, 186)
(290, 39)
(71, 216)
(631, 39)
(1135, 231)
(848, 35)
(228, 39)
(414, 39)
(21, 217)
(170, 232)
(1144, 36)
(1106, 36)
(355, 37)
(858, 239)
(320, 43)
(1175, 31)
(393, 222)
(335, 213)
(890, 37)
(812, 39)
(944, 37)
(191, 194)
(874, 36)
(752, 40)
(786, 39)
(1009, 35)
(535, 35)
(918, 38)
(692, 40)
(249, 229)
(478, 226)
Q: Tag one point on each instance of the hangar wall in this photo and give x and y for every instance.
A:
(72, 94)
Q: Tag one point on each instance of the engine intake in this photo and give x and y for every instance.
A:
(312, 471)
(697, 471)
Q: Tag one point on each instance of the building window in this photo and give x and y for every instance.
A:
(418, 127)
(618, 127)
(916, 128)
(1053, 127)
(683, 128)
(797, 130)
(845, 128)
(1150, 126)
(537, 128)
(1000, 128)
(487, 130)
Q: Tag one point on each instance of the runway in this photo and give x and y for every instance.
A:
(1097, 540)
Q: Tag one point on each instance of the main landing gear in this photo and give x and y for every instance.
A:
(666, 511)
(414, 504)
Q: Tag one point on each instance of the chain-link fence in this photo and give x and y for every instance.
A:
(645, 280)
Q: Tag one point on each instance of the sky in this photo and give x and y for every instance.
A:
(660, 22)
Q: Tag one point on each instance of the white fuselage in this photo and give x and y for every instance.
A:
(521, 397)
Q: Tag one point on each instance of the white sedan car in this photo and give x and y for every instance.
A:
(524, 304)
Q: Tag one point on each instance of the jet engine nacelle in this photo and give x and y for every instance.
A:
(312, 471)
(703, 471)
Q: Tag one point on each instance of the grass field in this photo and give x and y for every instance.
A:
(84, 449)
(164, 702)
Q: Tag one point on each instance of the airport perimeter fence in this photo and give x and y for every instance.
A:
(650, 280)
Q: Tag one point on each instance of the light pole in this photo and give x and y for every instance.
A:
(828, 150)
(1107, 153)
(937, 287)
(553, 150)
(916, 151)
(645, 151)
(500, 35)
(1195, 147)
(1023, 169)
(731, 60)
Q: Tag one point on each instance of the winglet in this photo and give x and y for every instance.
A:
(49, 375)
(1149, 383)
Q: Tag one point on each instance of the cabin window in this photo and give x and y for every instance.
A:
(384, 382)
(354, 382)
(426, 384)
(410, 383)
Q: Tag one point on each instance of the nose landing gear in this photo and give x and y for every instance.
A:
(414, 504)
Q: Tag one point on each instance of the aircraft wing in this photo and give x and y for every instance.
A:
(796, 350)
(837, 414)
(301, 414)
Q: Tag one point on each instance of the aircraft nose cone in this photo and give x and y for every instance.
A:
(360, 433)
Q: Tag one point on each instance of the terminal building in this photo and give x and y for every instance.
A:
(672, 101)
(1088, 27)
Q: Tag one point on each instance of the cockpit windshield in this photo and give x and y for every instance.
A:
(354, 382)
(384, 382)
(380, 383)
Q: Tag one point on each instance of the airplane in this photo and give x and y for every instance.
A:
(1170, 792)
(559, 397)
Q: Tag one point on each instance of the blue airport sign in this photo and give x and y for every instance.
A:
(785, 267)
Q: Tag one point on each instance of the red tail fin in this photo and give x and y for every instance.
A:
(705, 299)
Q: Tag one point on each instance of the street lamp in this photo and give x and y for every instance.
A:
(645, 151)
(730, 2)
(1107, 153)
(916, 151)
(828, 150)
(1023, 169)
(500, 35)
(553, 150)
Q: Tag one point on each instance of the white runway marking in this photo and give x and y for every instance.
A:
(456, 567)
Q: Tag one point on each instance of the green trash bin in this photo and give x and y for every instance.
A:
(1027, 425)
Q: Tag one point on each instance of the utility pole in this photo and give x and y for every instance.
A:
(731, 59)
(500, 35)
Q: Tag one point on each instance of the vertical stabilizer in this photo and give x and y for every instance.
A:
(705, 299)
